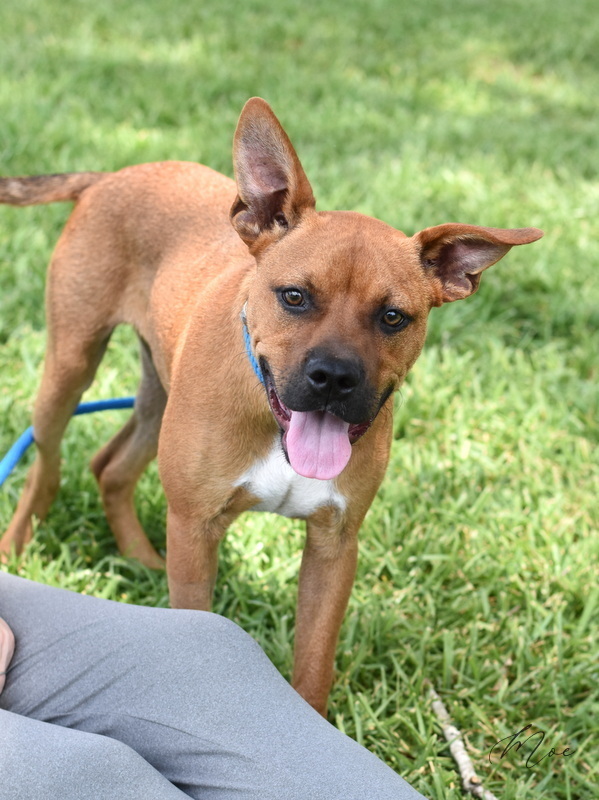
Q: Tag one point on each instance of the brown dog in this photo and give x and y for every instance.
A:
(334, 305)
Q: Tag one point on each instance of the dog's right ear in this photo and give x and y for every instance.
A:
(273, 191)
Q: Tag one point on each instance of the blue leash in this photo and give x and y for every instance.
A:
(248, 349)
(25, 440)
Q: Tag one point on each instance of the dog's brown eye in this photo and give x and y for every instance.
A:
(393, 317)
(292, 297)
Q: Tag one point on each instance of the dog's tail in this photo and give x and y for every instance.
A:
(39, 189)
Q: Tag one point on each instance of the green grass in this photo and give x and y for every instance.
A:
(478, 566)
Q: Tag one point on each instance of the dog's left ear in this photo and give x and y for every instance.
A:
(273, 190)
(455, 255)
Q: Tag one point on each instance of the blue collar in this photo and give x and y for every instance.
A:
(248, 348)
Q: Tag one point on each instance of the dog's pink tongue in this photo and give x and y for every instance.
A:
(318, 445)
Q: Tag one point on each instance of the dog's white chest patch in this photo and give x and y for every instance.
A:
(282, 491)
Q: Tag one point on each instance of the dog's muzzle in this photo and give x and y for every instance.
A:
(323, 408)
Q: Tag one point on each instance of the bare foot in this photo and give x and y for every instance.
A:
(7, 648)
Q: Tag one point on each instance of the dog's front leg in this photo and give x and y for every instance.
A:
(192, 557)
(193, 534)
(325, 582)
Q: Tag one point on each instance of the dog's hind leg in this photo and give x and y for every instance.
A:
(119, 465)
(69, 368)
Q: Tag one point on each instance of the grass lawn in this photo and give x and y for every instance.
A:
(478, 568)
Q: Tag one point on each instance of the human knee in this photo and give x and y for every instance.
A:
(200, 627)
(229, 632)
(219, 640)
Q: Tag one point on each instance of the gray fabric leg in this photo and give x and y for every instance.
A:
(189, 691)
(39, 761)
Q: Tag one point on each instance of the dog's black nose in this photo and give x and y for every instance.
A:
(333, 378)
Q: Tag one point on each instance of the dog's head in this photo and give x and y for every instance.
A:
(338, 305)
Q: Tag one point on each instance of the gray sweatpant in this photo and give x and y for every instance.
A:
(117, 702)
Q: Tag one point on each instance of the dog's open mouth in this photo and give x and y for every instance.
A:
(317, 443)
